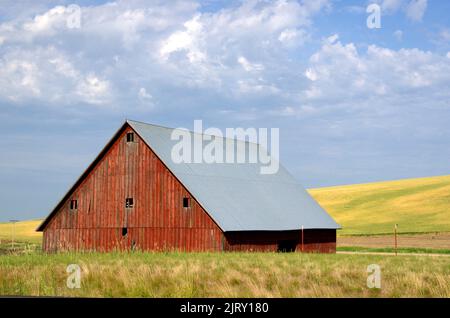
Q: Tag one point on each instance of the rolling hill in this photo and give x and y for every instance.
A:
(416, 205)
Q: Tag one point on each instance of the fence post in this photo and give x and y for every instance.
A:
(395, 238)
(302, 239)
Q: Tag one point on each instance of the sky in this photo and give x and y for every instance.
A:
(353, 104)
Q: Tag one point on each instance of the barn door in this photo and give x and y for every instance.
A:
(286, 246)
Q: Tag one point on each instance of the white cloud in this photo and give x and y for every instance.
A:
(259, 87)
(234, 50)
(348, 75)
(243, 51)
(208, 43)
(64, 67)
(390, 6)
(187, 40)
(52, 64)
(143, 94)
(46, 22)
(288, 35)
(249, 67)
(416, 9)
(413, 9)
(441, 38)
(444, 35)
(94, 90)
(25, 74)
(398, 34)
(313, 93)
(311, 74)
(49, 75)
(21, 77)
(292, 37)
(333, 38)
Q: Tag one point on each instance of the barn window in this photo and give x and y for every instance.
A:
(124, 231)
(186, 203)
(130, 137)
(73, 205)
(129, 203)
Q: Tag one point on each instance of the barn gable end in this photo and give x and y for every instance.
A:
(157, 220)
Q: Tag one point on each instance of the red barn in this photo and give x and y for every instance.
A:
(134, 196)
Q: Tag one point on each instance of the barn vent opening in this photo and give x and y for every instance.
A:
(286, 246)
(73, 205)
(186, 203)
(129, 203)
(130, 137)
(124, 231)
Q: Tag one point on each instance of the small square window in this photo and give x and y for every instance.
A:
(130, 137)
(73, 205)
(129, 203)
(186, 203)
(124, 231)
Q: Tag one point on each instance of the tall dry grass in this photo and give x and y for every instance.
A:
(224, 275)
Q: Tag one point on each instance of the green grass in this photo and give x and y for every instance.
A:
(415, 250)
(19, 248)
(224, 275)
(416, 205)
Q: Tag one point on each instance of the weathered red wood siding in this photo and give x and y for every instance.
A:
(157, 221)
(314, 240)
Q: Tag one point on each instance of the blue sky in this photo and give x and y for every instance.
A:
(353, 104)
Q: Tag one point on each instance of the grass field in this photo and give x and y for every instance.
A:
(24, 231)
(416, 205)
(224, 275)
(420, 207)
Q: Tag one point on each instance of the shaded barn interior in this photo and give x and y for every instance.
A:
(314, 240)
(129, 198)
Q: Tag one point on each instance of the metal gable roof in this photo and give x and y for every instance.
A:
(237, 196)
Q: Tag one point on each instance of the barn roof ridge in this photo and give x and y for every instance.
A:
(192, 132)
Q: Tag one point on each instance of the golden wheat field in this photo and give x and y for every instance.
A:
(416, 205)
(24, 231)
